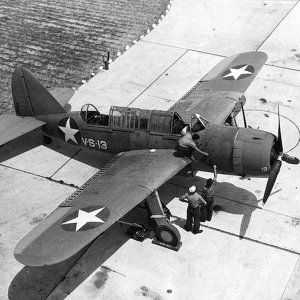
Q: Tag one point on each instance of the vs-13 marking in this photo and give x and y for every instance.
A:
(69, 132)
(94, 143)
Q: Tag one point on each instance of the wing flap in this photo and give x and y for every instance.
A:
(102, 201)
(13, 127)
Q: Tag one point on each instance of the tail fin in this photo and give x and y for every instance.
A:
(30, 97)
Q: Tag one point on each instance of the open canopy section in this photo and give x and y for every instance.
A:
(132, 119)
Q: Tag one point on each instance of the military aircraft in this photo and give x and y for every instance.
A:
(145, 143)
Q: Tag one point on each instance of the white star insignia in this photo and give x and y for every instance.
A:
(69, 132)
(85, 217)
(236, 73)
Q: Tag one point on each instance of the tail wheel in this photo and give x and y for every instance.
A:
(168, 234)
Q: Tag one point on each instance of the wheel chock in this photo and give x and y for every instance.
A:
(168, 246)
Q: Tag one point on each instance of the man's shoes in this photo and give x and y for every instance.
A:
(186, 229)
(197, 231)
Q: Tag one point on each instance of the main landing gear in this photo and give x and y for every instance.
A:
(167, 235)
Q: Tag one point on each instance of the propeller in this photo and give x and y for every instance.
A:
(275, 169)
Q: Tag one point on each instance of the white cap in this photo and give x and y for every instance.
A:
(192, 189)
(185, 130)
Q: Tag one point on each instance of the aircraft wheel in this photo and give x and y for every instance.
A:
(168, 234)
(47, 139)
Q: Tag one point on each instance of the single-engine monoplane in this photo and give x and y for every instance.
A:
(145, 142)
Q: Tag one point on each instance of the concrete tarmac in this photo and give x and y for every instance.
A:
(247, 251)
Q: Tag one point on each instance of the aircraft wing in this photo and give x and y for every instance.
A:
(13, 126)
(217, 93)
(98, 204)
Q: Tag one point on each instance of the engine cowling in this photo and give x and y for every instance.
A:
(252, 151)
(240, 151)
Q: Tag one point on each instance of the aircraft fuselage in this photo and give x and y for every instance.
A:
(240, 151)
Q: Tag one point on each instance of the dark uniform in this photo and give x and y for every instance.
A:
(208, 196)
(194, 201)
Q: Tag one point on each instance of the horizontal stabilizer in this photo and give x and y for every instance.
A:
(12, 127)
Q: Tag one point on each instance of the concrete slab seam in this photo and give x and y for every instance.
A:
(246, 204)
(251, 239)
(281, 116)
(40, 176)
(69, 269)
(188, 49)
(294, 269)
(66, 162)
(157, 78)
(281, 67)
(277, 25)
(92, 179)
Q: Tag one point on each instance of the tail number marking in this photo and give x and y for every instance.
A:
(94, 143)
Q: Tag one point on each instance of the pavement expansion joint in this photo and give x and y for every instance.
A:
(187, 49)
(253, 240)
(111, 270)
(281, 67)
(157, 78)
(250, 239)
(45, 177)
(240, 202)
(94, 178)
(66, 162)
(275, 27)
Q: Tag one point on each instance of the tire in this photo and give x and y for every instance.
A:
(168, 234)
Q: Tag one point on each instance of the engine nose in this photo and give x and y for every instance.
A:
(253, 152)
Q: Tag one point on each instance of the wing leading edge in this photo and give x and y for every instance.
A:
(218, 92)
(97, 205)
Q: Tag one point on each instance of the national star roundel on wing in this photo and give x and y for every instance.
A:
(86, 218)
(238, 72)
(69, 131)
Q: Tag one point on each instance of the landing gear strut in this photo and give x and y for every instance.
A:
(167, 235)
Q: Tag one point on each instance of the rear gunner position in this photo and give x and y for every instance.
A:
(137, 172)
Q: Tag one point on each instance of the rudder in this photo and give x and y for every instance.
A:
(30, 97)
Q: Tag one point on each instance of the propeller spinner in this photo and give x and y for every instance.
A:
(276, 165)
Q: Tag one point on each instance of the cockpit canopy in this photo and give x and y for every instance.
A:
(198, 123)
(154, 121)
(128, 118)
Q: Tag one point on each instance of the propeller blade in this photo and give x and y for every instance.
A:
(271, 180)
(279, 140)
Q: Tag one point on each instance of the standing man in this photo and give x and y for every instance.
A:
(194, 201)
(208, 195)
(187, 145)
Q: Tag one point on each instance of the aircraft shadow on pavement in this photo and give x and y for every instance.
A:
(59, 280)
(229, 198)
(20, 145)
(34, 139)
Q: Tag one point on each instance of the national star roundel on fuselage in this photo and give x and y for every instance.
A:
(85, 218)
(69, 131)
(238, 72)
